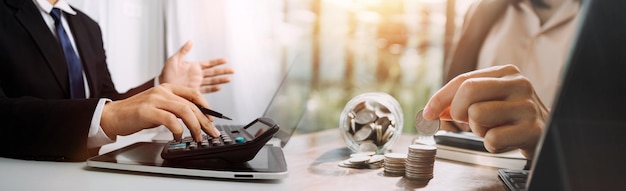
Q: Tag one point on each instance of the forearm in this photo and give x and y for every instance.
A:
(45, 129)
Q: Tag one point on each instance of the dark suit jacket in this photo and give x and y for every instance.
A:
(37, 119)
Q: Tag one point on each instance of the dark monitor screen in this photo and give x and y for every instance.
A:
(583, 145)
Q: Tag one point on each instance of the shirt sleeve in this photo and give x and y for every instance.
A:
(97, 137)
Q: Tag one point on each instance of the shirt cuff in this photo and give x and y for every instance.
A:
(97, 137)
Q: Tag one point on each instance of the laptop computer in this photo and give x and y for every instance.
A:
(286, 108)
(583, 146)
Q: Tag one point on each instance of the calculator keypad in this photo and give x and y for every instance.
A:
(188, 143)
(235, 145)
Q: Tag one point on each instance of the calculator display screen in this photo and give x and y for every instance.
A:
(257, 129)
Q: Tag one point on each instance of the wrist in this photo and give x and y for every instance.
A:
(107, 121)
(528, 153)
(158, 80)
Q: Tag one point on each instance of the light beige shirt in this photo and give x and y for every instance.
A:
(540, 51)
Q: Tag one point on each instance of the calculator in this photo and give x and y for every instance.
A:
(235, 145)
(515, 180)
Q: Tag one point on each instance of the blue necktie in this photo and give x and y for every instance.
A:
(74, 67)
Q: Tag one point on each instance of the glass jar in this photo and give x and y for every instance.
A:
(371, 122)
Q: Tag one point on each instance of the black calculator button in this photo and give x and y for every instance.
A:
(187, 139)
(233, 145)
(204, 143)
(193, 145)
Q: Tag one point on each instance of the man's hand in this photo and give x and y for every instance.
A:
(498, 103)
(204, 76)
(161, 105)
(213, 76)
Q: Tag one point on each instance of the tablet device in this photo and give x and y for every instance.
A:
(269, 163)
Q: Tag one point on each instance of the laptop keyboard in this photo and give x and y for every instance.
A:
(515, 180)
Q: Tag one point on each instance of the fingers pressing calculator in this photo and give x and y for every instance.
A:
(233, 145)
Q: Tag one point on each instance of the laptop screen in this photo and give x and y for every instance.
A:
(582, 147)
(289, 102)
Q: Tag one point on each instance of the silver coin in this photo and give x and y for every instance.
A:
(394, 156)
(380, 108)
(360, 106)
(376, 159)
(422, 148)
(383, 121)
(426, 127)
(379, 134)
(359, 160)
(388, 133)
(368, 146)
(363, 133)
(362, 154)
(365, 116)
(352, 126)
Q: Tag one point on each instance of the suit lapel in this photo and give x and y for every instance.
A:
(28, 15)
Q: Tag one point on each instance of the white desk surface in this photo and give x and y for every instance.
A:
(312, 162)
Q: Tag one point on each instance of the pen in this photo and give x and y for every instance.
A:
(212, 113)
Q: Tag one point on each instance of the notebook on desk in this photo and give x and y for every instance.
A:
(582, 147)
(286, 108)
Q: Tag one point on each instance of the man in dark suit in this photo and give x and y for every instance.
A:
(40, 116)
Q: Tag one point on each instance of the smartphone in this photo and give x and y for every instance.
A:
(465, 140)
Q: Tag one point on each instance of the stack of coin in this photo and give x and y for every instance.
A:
(394, 163)
(363, 160)
(420, 162)
(371, 125)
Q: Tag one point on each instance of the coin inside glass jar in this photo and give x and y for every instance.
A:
(371, 122)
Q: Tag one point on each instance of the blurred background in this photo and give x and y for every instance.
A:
(346, 47)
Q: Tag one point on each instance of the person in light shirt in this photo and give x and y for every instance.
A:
(531, 36)
(49, 111)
